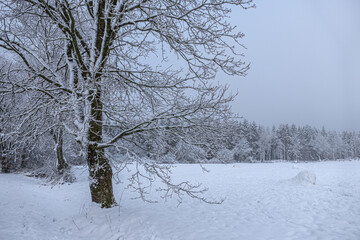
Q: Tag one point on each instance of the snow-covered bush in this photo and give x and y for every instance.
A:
(242, 151)
(225, 156)
(186, 153)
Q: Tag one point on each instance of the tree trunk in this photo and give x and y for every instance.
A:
(6, 158)
(5, 163)
(58, 138)
(100, 171)
(61, 161)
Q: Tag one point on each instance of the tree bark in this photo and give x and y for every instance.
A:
(58, 139)
(100, 171)
(5, 164)
(6, 158)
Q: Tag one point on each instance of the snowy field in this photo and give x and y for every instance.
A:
(262, 201)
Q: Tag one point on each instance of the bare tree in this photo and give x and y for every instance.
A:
(103, 65)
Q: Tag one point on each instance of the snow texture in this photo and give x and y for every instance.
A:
(263, 201)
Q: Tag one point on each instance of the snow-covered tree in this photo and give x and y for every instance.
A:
(336, 145)
(264, 144)
(306, 135)
(321, 146)
(242, 151)
(294, 146)
(99, 65)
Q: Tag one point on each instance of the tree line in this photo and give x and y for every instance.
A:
(239, 141)
(252, 142)
(244, 141)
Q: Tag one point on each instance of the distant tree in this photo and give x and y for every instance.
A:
(283, 134)
(321, 146)
(242, 151)
(355, 144)
(351, 144)
(253, 139)
(306, 136)
(336, 145)
(275, 144)
(264, 144)
(294, 146)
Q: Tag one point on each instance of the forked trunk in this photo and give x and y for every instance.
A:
(100, 171)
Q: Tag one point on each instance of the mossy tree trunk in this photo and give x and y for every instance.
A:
(100, 171)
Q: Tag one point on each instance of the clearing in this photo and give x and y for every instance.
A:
(262, 201)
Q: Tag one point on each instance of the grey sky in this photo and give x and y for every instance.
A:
(305, 63)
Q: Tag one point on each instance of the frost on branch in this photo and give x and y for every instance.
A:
(147, 176)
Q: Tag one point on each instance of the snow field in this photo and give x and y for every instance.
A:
(262, 201)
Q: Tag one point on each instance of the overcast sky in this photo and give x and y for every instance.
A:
(305, 63)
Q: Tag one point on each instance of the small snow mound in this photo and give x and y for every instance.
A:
(296, 167)
(305, 176)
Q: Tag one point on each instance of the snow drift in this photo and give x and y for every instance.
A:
(305, 176)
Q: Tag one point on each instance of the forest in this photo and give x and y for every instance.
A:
(240, 141)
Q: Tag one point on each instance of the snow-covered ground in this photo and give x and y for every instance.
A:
(262, 201)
